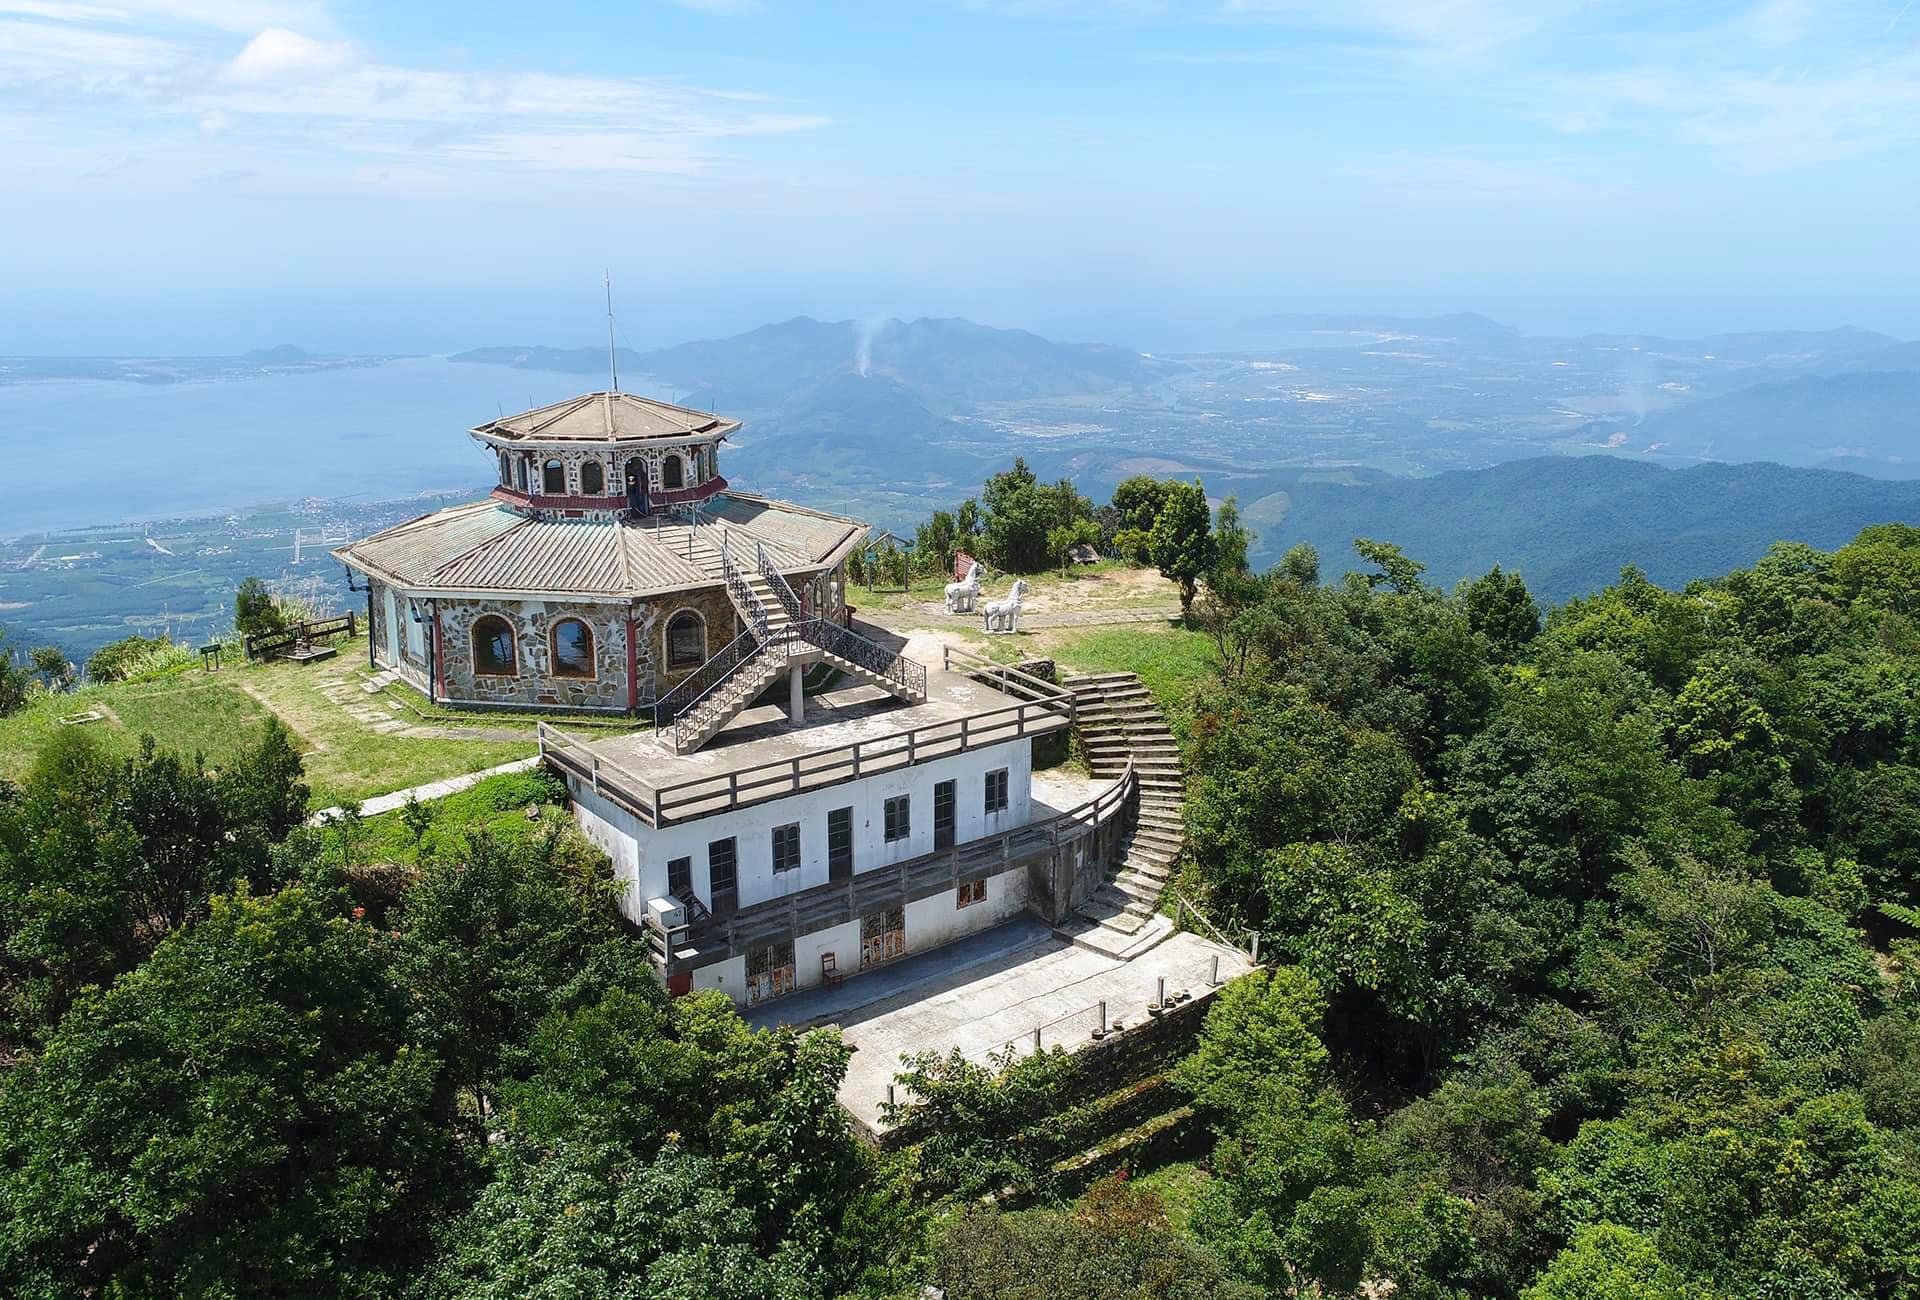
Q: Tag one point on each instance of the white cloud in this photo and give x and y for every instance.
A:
(166, 65)
(278, 57)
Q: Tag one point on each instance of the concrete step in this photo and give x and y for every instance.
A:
(1143, 881)
(1152, 837)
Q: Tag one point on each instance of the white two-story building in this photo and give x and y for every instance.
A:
(817, 837)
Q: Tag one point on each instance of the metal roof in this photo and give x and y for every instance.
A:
(606, 418)
(489, 548)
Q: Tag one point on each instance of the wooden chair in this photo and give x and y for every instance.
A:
(830, 975)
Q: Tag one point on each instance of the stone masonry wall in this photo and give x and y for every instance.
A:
(534, 684)
(722, 623)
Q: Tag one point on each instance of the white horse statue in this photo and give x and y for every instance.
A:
(1004, 615)
(960, 595)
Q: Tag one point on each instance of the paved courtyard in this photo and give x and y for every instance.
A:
(987, 991)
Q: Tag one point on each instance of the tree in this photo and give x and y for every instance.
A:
(113, 661)
(13, 680)
(1116, 1244)
(1021, 513)
(1182, 540)
(246, 1114)
(497, 937)
(255, 612)
(55, 672)
(1063, 538)
(1396, 573)
(1500, 608)
(1136, 504)
(935, 543)
(1607, 1262)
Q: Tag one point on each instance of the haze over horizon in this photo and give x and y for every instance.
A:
(209, 176)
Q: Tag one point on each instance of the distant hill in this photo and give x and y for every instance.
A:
(946, 364)
(1569, 523)
(1870, 418)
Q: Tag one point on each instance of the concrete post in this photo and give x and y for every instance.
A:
(1036, 1040)
(796, 694)
(1103, 1015)
(1256, 945)
(1160, 992)
(1213, 979)
(889, 1094)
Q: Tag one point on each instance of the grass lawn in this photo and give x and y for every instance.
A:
(219, 713)
(497, 805)
(346, 758)
(1172, 661)
(211, 715)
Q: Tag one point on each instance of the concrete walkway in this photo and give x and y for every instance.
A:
(991, 990)
(386, 803)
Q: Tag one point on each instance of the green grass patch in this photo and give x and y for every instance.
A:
(1178, 1186)
(496, 806)
(217, 714)
(1173, 662)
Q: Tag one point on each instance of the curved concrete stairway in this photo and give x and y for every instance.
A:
(1117, 720)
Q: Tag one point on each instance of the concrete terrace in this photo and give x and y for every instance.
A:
(987, 991)
(763, 754)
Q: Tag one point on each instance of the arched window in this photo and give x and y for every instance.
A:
(493, 654)
(686, 640)
(506, 470)
(554, 479)
(672, 475)
(593, 479)
(572, 649)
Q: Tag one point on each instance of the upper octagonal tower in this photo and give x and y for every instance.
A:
(606, 453)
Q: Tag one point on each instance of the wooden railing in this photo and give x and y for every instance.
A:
(902, 882)
(267, 643)
(706, 795)
(1009, 681)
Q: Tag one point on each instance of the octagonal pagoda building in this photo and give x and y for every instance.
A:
(611, 563)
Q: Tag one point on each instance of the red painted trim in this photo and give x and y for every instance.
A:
(633, 668)
(611, 501)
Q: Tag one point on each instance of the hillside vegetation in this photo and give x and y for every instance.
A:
(1593, 972)
(1568, 524)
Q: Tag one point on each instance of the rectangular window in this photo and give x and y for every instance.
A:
(971, 892)
(786, 847)
(839, 843)
(943, 815)
(997, 791)
(722, 858)
(899, 822)
(680, 878)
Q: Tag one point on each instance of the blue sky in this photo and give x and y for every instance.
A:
(208, 175)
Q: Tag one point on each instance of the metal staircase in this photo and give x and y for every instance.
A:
(777, 632)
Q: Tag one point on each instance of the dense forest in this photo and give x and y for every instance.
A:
(1593, 974)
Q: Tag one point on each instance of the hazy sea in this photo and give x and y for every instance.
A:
(83, 452)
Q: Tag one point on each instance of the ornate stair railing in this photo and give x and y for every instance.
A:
(743, 598)
(777, 581)
(695, 686)
(910, 677)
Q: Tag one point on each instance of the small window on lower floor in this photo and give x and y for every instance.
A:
(786, 847)
(971, 892)
(997, 790)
